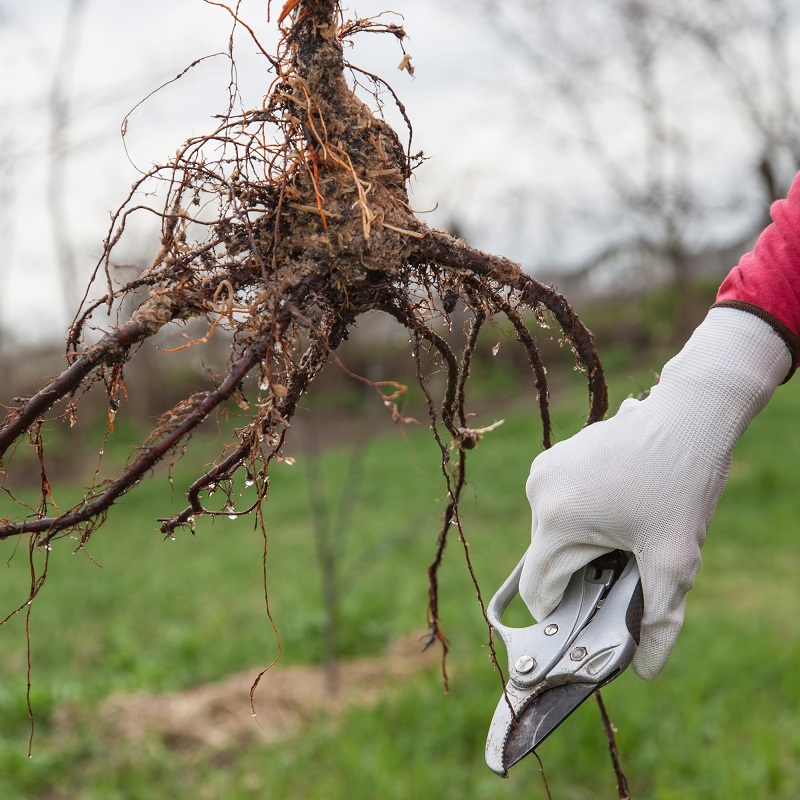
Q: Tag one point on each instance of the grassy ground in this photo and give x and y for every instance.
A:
(721, 722)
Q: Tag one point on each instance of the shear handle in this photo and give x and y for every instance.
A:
(546, 641)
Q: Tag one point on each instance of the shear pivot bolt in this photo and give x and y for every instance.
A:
(551, 630)
(578, 654)
(524, 664)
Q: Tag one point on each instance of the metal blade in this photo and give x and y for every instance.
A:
(541, 718)
(509, 708)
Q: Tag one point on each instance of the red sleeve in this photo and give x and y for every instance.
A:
(767, 280)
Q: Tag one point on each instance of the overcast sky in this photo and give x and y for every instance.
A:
(496, 160)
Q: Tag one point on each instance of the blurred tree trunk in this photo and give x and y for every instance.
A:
(58, 162)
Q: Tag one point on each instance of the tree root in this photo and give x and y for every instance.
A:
(282, 227)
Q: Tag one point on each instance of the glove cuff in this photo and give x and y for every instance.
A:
(790, 339)
(724, 375)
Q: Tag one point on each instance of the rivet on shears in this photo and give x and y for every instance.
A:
(551, 630)
(524, 664)
(578, 654)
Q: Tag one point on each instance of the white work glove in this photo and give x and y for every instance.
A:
(648, 480)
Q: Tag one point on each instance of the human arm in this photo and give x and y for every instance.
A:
(648, 480)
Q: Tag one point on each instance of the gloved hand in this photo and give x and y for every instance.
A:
(648, 480)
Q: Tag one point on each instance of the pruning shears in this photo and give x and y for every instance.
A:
(556, 664)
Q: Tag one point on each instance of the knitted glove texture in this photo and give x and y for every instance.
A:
(648, 480)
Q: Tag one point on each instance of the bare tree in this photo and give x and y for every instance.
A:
(59, 107)
(683, 117)
(747, 47)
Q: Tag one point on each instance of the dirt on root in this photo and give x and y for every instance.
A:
(218, 715)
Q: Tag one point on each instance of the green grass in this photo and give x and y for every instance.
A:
(721, 722)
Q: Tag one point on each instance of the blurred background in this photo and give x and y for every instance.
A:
(623, 150)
